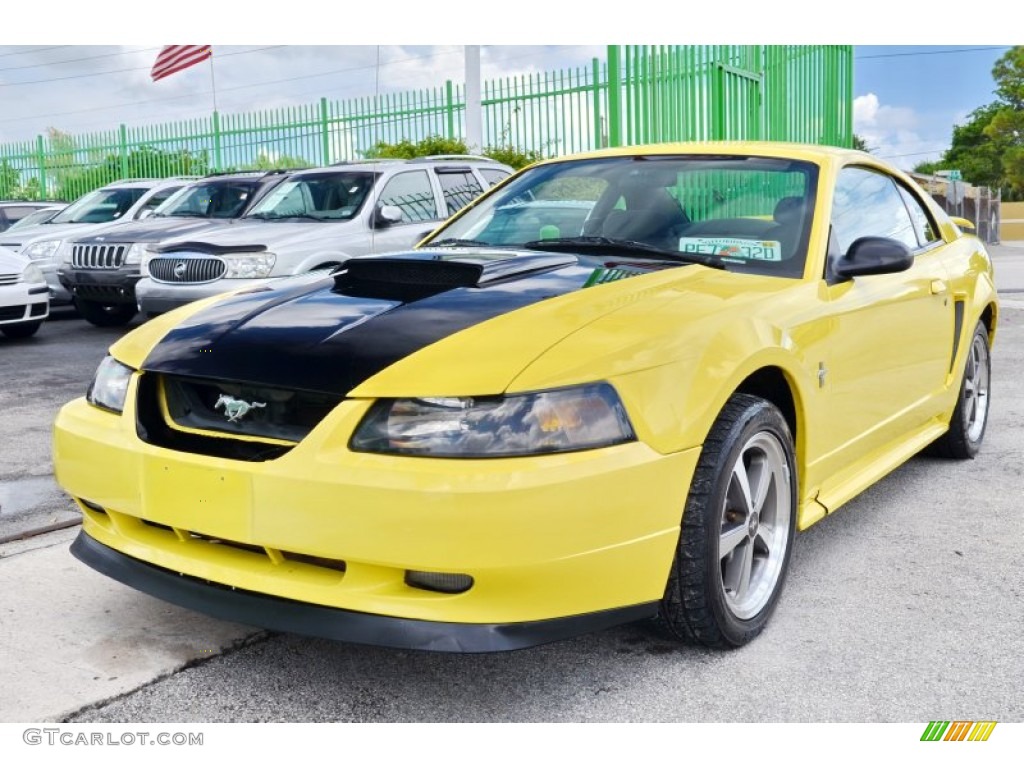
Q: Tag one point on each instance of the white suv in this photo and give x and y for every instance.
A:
(120, 201)
(316, 220)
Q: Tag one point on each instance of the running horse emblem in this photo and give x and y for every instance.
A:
(234, 409)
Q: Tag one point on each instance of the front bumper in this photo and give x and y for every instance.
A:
(157, 298)
(587, 538)
(336, 623)
(23, 303)
(115, 286)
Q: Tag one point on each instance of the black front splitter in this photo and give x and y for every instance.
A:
(336, 623)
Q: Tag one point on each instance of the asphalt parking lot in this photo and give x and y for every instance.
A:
(906, 605)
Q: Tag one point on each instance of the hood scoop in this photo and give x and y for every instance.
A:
(409, 278)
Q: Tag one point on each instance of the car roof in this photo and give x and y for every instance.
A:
(474, 160)
(811, 152)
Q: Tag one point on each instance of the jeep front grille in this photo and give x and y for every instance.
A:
(108, 256)
(193, 270)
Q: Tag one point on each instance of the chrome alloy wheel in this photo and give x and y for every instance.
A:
(755, 525)
(976, 377)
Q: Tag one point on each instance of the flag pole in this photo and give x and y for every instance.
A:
(216, 118)
(213, 81)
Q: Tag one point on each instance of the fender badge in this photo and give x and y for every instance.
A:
(234, 409)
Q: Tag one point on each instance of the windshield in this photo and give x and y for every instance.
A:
(749, 214)
(322, 196)
(209, 200)
(100, 205)
(41, 216)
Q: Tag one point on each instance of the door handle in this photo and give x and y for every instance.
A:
(938, 286)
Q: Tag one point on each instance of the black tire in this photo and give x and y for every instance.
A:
(20, 330)
(705, 603)
(970, 417)
(106, 315)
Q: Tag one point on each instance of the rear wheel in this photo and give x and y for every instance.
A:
(970, 417)
(105, 315)
(737, 529)
(20, 330)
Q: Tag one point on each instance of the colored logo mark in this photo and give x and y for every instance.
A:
(958, 730)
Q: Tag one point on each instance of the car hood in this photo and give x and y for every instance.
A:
(269, 234)
(385, 335)
(11, 263)
(152, 230)
(22, 237)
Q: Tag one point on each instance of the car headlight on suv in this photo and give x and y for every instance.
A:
(135, 254)
(42, 250)
(248, 265)
(32, 274)
(552, 421)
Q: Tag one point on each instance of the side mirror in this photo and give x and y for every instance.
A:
(388, 215)
(965, 224)
(873, 256)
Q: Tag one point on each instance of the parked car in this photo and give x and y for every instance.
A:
(24, 297)
(496, 440)
(101, 268)
(38, 216)
(120, 201)
(316, 219)
(14, 211)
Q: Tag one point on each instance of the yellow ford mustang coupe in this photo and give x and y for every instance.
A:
(611, 389)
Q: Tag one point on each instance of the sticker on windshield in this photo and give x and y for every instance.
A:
(733, 247)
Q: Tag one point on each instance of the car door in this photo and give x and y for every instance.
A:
(892, 334)
(412, 193)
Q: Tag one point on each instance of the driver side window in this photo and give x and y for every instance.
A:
(868, 204)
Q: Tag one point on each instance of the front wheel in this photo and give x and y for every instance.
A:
(106, 315)
(737, 530)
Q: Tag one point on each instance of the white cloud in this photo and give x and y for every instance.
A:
(895, 133)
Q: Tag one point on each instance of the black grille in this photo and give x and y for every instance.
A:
(187, 270)
(201, 413)
(12, 313)
(107, 256)
(37, 310)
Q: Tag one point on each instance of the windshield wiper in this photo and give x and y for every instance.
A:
(182, 215)
(602, 244)
(268, 215)
(458, 241)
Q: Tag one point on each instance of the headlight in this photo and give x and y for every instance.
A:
(43, 250)
(148, 255)
(248, 265)
(135, 253)
(110, 385)
(32, 274)
(555, 421)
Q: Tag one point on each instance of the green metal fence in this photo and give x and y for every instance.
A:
(639, 94)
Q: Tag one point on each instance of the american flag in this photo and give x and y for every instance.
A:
(174, 58)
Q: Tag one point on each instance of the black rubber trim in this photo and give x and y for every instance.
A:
(338, 624)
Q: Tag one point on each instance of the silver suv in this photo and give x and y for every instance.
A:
(316, 219)
(126, 200)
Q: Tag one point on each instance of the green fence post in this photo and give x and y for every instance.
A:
(41, 157)
(122, 150)
(598, 143)
(325, 133)
(216, 141)
(449, 105)
(614, 98)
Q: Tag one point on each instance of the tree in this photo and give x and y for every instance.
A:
(438, 145)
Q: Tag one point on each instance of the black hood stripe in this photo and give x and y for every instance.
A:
(313, 337)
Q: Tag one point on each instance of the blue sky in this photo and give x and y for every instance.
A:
(909, 97)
